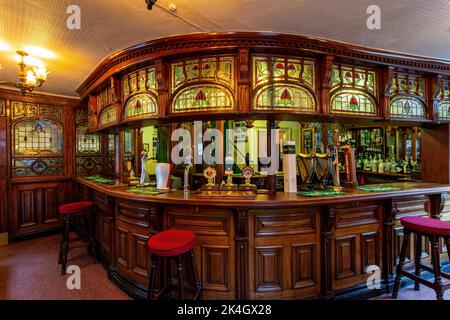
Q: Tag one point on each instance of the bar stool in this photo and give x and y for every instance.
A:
(434, 229)
(172, 244)
(68, 211)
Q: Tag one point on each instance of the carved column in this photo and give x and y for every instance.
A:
(92, 113)
(326, 66)
(388, 268)
(434, 90)
(242, 247)
(244, 85)
(116, 96)
(387, 77)
(271, 178)
(162, 76)
(328, 227)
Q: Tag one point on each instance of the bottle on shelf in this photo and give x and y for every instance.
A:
(374, 165)
(380, 165)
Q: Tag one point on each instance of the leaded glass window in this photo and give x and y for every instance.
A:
(214, 69)
(444, 110)
(105, 98)
(108, 116)
(37, 137)
(203, 98)
(128, 143)
(284, 97)
(408, 84)
(407, 107)
(87, 143)
(271, 69)
(140, 105)
(139, 81)
(353, 77)
(353, 102)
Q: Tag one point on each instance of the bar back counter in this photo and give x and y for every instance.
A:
(393, 108)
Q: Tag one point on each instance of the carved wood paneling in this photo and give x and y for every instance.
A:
(139, 262)
(134, 213)
(345, 253)
(369, 250)
(294, 222)
(351, 217)
(122, 247)
(304, 268)
(215, 267)
(268, 268)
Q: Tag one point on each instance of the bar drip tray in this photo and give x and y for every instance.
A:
(226, 194)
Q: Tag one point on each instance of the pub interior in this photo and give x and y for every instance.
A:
(234, 165)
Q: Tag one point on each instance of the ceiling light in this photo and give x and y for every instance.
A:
(4, 46)
(40, 52)
(150, 4)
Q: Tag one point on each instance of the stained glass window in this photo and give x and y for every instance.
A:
(353, 102)
(139, 81)
(203, 98)
(37, 137)
(128, 143)
(407, 107)
(444, 110)
(105, 98)
(140, 105)
(284, 97)
(353, 77)
(270, 69)
(215, 69)
(87, 143)
(108, 116)
(29, 167)
(408, 84)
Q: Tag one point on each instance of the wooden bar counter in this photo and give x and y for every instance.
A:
(283, 246)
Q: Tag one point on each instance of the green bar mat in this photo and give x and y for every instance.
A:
(148, 192)
(98, 179)
(321, 193)
(378, 188)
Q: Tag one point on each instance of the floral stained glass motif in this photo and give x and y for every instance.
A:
(140, 105)
(284, 97)
(139, 81)
(203, 98)
(108, 116)
(353, 77)
(353, 102)
(37, 137)
(105, 98)
(215, 69)
(408, 84)
(272, 69)
(407, 107)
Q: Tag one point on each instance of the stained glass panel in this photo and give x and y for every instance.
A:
(87, 143)
(353, 77)
(407, 107)
(203, 98)
(128, 143)
(37, 137)
(139, 81)
(272, 69)
(215, 69)
(284, 97)
(353, 102)
(108, 116)
(408, 84)
(105, 98)
(444, 110)
(139, 106)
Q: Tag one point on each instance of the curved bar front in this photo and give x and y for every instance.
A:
(283, 246)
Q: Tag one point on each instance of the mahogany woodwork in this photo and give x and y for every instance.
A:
(279, 246)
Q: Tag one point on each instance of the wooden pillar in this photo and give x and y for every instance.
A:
(244, 84)
(4, 168)
(387, 76)
(242, 258)
(326, 66)
(271, 178)
(434, 90)
(162, 76)
(435, 153)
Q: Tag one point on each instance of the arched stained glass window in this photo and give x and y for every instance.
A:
(353, 102)
(444, 110)
(407, 107)
(207, 97)
(284, 97)
(140, 105)
(108, 116)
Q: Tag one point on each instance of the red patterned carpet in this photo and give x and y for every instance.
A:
(29, 270)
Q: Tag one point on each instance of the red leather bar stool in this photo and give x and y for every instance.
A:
(434, 229)
(172, 244)
(72, 210)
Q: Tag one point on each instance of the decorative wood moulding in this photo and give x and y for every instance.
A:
(252, 77)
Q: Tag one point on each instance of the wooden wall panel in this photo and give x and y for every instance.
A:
(215, 270)
(304, 265)
(268, 268)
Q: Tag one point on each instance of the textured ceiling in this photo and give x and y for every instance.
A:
(410, 26)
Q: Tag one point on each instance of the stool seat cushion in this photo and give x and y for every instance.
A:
(426, 225)
(171, 243)
(75, 207)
